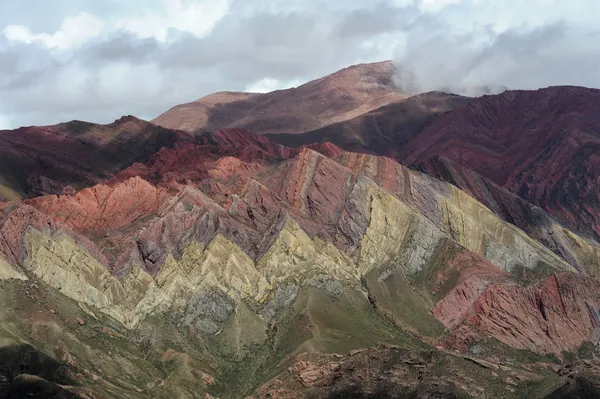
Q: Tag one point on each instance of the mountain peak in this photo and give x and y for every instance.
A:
(128, 118)
(336, 97)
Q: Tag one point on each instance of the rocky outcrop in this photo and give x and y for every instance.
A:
(391, 372)
(8, 272)
(557, 314)
(533, 220)
(103, 208)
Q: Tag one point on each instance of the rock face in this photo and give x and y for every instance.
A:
(340, 96)
(535, 221)
(389, 371)
(557, 314)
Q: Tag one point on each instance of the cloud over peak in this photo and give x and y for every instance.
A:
(97, 60)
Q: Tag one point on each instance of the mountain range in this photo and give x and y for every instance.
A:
(335, 240)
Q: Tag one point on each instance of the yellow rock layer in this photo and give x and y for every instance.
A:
(295, 255)
(404, 239)
(8, 193)
(60, 263)
(474, 226)
(397, 239)
(222, 265)
(7, 272)
(395, 234)
(586, 253)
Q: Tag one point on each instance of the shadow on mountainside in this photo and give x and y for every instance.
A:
(26, 372)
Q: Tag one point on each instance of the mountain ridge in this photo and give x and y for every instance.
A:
(228, 264)
(216, 239)
(339, 96)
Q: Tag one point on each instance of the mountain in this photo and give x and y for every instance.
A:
(541, 145)
(383, 131)
(49, 159)
(527, 155)
(358, 244)
(229, 265)
(334, 98)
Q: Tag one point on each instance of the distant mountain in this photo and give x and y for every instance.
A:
(46, 159)
(337, 97)
(384, 131)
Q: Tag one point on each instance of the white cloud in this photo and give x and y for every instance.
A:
(74, 31)
(194, 17)
(269, 84)
(95, 60)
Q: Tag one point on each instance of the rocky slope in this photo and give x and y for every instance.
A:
(526, 155)
(540, 145)
(389, 371)
(384, 131)
(340, 96)
(213, 266)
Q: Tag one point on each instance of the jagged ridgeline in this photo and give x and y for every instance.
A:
(230, 266)
(358, 243)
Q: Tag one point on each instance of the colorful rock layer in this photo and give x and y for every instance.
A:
(199, 258)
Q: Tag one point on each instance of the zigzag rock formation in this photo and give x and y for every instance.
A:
(232, 248)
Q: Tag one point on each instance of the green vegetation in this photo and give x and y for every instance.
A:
(526, 276)
(405, 306)
(164, 358)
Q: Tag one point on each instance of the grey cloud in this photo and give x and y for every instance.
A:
(47, 16)
(383, 18)
(555, 54)
(123, 74)
(9, 63)
(122, 46)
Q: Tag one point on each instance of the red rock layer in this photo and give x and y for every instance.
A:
(101, 207)
(230, 182)
(473, 274)
(558, 314)
(15, 219)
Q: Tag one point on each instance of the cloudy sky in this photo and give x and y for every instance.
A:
(96, 60)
